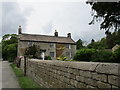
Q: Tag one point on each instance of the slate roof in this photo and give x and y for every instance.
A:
(45, 38)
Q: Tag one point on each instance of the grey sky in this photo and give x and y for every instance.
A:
(12, 16)
(45, 17)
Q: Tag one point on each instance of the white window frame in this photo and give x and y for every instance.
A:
(68, 46)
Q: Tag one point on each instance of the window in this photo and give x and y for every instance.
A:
(69, 54)
(52, 45)
(52, 54)
(29, 43)
(68, 46)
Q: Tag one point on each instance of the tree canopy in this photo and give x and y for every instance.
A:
(106, 43)
(109, 12)
(9, 46)
(79, 44)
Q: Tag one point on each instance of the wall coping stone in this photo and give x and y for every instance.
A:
(107, 68)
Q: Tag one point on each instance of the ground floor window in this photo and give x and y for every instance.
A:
(69, 54)
(52, 54)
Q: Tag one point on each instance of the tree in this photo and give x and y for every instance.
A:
(92, 41)
(108, 11)
(112, 38)
(79, 44)
(32, 51)
(85, 54)
(9, 46)
(98, 44)
(116, 56)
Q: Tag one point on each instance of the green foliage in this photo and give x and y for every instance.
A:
(32, 51)
(116, 56)
(112, 38)
(79, 44)
(107, 43)
(108, 11)
(102, 56)
(85, 54)
(48, 58)
(17, 71)
(98, 55)
(98, 45)
(12, 51)
(62, 58)
(9, 46)
(24, 82)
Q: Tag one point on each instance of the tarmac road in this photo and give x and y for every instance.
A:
(9, 79)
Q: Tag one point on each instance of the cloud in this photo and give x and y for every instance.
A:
(0, 20)
(44, 18)
(48, 27)
(12, 17)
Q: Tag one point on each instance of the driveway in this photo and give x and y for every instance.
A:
(9, 79)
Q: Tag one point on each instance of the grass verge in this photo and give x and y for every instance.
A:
(24, 81)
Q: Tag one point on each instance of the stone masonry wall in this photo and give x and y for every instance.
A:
(66, 74)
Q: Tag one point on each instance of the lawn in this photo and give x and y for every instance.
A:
(24, 81)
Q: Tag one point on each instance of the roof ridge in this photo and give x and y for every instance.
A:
(43, 35)
(47, 38)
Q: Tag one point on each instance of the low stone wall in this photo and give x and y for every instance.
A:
(66, 74)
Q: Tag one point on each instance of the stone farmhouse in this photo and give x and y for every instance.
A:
(53, 46)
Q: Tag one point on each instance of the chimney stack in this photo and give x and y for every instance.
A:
(56, 33)
(69, 35)
(19, 30)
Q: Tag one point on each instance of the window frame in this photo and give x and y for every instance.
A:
(52, 45)
(52, 55)
(68, 46)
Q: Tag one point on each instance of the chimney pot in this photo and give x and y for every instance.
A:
(69, 35)
(56, 33)
(19, 30)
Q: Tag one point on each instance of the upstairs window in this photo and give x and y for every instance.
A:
(30, 44)
(68, 46)
(52, 45)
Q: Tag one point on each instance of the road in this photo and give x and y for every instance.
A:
(9, 79)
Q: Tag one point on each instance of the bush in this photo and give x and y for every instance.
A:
(85, 54)
(116, 56)
(102, 56)
(48, 58)
(98, 55)
(62, 58)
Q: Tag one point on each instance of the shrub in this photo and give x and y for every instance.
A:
(102, 56)
(85, 54)
(11, 52)
(32, 51)
(116, 56)
(48, 58)
(62, 58)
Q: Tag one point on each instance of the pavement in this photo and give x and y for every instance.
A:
(8, 78)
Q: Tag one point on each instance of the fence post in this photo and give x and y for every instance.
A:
(24, 65)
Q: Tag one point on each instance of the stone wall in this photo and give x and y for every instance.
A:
(66, 74)
(22, 45)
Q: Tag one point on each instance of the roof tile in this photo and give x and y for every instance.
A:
(46, 38)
